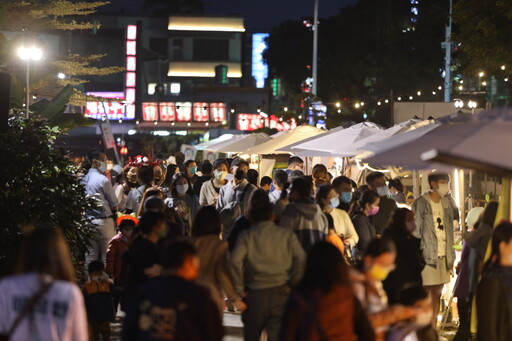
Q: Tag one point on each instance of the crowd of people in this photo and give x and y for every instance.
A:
(302, 257)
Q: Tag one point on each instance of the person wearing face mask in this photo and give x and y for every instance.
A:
(98, 186)
(343, 186)
(494, 294)
(409, 259)
(141, 262)
(191, 171)
(378, 262)
(206, 175)
(235, 190)
(434, 226)
(117, 246)
(396, 190)
(360, 212)
(418, 328)
(183, 200)
(146, 177)
(328, 200)
(210, 190)
(377, 182)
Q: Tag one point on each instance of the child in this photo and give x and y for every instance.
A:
(116, 247)
(99, 296)
(418, 328)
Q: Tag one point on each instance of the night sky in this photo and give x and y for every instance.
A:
(261, 15)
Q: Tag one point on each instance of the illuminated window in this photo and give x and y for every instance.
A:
(151, 88)
(175, 88)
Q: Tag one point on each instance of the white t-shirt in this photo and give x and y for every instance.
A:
(58, 316)
(343, 226)
(438, 213)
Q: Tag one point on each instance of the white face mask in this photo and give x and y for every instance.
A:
(423, 318)
(443, 189)
(220, 175)
(383, 191)
(182, 189)
(102, 167)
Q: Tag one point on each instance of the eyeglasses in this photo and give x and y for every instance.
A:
(439, 224)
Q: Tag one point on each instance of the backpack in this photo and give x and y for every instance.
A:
(230, 213)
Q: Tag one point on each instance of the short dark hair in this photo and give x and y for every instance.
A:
(149, 220)
(146, 175)
(219, 162)
(126, 223)
(206, 167)
(238, 161)
(175, 254)
(180, 158)
(295, 159)
(154, 203)
(258, 195)
(295, 174)
(252, 176)
(370, 178)
(336, 182)
(207, 222)
(379, 246)
(302, 186)
(280, 177)
(436, 177)
(396, 183)
(95, 266)
(261, 211)
(410, 294)
(266, 180)
(94, 155)
(189, 162)
(322, 193)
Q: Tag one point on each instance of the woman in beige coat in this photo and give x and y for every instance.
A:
(212, 253)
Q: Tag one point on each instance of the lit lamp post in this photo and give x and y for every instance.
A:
(27, 54)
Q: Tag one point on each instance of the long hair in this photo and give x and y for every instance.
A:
(172, 189)
(322, 193)
(489, 214)
(45, 251)
(150, 192)
(367, 197)
(398, 218)
(325, 268)
(207, 222)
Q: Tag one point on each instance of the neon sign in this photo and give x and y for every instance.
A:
(114, 109)
(249, 122)
(184, 111)
(131, 66)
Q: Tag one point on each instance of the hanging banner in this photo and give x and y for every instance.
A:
(108, 137)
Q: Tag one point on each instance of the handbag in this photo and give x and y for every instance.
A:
(27, 310)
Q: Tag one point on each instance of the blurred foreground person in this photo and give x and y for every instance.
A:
(212, 253)
(266, 261)
(378, 262)
(324, 307)
(42, 301)
(172, 306)
(493, 296)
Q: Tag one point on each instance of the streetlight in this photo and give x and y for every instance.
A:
(27, 54)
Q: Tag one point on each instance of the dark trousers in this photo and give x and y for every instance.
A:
(99, 328)
(464, 331)
(264, 311)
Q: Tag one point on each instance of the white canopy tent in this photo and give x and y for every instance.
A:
(239, 145)
(207, 144)
(291, 136)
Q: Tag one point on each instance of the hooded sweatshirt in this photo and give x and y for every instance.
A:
(308, 221)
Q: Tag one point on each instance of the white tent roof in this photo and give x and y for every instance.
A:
(247, 141)
(482, 143)
(339, 139)
(291, 136)
(222, 138)
(289, 147)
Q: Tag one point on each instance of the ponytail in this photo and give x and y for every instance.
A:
(367, 197)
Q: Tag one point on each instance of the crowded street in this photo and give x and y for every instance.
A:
(295, 170)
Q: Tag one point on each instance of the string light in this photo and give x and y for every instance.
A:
(357, 105)
(484, 83)
(137, 122)
(419, 93)
(120, 120)
(503, 67)
(155, 123)
(379, 103)
(481, 74)
(285, 109)
(506, 79)
(434, 93)
(386, 101)
(338, 104)
(410, 98)
(339, 111)
(439, 87)
(399, 98)
(461, 87)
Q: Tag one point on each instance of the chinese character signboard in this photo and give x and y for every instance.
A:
(201, 112)
(113, 110)
(249, 122)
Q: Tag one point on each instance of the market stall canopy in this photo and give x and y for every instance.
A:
(328, 143)
(205, 145)
(408, 153)
(247, 141)
(289, 149)
(481, 144)
(291, 136)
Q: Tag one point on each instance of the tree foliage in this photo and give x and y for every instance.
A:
(483, 30)
(39, 188)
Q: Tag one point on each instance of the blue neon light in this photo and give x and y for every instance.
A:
(259, 67)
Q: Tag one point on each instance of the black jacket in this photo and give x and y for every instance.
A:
(365, 230)
(409, 262)
(172, 308)
(493, 305)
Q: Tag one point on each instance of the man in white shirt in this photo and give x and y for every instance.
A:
(99, 186)
(280, 179)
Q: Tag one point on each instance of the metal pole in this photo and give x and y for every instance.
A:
(448, 58)
(315, 48)
(27, 81)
